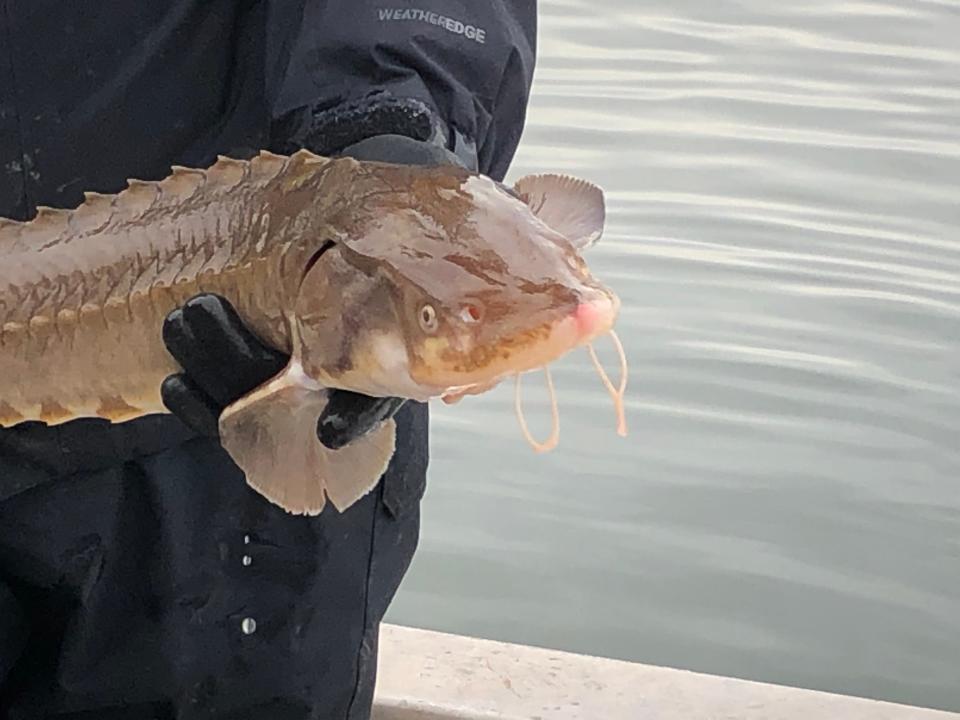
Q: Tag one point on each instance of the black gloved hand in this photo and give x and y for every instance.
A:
(222, 359)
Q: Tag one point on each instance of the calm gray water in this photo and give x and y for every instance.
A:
(783, 187)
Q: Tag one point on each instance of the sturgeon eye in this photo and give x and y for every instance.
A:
(428, 319)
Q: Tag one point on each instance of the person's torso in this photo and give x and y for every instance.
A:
(92, 94)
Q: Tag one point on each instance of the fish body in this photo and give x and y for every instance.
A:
(378, 278)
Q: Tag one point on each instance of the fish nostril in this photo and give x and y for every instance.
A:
(470, 313)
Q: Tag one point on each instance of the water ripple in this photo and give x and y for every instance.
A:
(782, 200)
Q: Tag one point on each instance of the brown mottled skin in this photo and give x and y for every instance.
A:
(83, 293)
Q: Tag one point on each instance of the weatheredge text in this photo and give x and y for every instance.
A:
(471, 32)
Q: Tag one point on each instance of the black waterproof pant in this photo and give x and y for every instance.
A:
(139, 576)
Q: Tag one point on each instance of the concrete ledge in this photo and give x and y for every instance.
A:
(425, 675)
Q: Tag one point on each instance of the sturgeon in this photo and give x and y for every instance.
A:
(389, 280)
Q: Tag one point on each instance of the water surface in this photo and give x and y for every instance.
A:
(783, 189)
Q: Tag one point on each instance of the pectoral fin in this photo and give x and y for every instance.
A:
(271, 434)
(573, 207)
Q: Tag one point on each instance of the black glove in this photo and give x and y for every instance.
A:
(222, 360)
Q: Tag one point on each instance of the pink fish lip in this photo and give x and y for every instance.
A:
(595, 316)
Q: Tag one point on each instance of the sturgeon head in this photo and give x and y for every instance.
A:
(437, 284)
(454, 282)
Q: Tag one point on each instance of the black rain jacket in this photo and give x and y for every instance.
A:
(140, 578)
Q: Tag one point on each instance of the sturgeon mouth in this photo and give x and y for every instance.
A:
(536, 349)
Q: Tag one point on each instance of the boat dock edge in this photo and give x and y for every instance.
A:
(428, 675)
